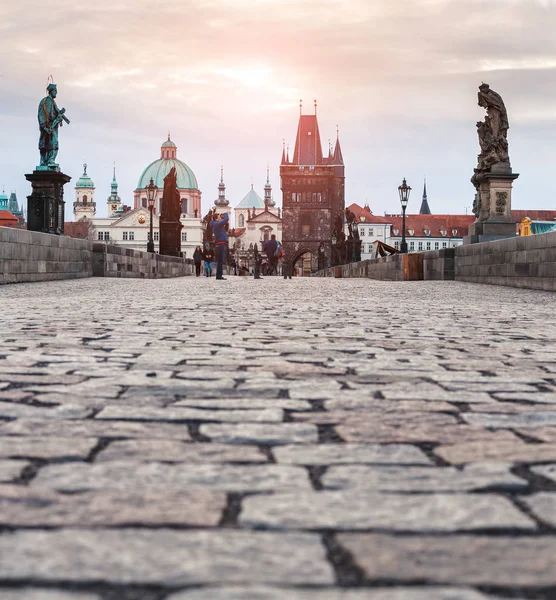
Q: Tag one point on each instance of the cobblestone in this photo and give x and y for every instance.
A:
(313, 439)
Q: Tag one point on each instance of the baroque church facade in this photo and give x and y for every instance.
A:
(130, 227)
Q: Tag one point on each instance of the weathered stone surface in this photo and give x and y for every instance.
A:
(371, 433)
(254, 433)
(164, 557)
(171, 450)
(543, 506)
(423, 479)
(122, 475)
(530, 419)
(329, 454)
(68, 411)
(543, 434)
(38, 594)
(245, 403)
(456, 559)
(21, 506)
(361, 403)
(132, 413)
(46, 447)
(282, 593)
(548, 471)
(503, 451)
(369, 510)
(96, 429)
(11, 469)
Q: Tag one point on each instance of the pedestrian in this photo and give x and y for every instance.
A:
(197, 258)
(272, 250)
(208, 257)
(219, 229)
(257, 260)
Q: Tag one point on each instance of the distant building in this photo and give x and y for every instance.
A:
(84, 205)
(256, 221)
(312, 192)
(131, 227)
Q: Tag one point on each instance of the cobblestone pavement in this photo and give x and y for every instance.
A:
(313, 439)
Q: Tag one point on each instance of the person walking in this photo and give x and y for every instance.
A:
(219, 229)
(208, 257)
(272, 248)
(197, 258)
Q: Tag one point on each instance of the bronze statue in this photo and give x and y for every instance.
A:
(50, 118)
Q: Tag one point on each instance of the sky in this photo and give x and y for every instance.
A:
(398, 78)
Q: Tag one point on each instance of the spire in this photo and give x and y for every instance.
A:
(268, 201)
(168, 135)
(283, 161)
(85, 168)
(338, 158)
(288, 153)
(113, 199)
(221, 200)
(425, 210)
(308, 148)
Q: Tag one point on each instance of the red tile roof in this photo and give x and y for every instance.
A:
(7, 219)
(534, 215)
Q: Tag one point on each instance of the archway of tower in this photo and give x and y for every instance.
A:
(302, 262)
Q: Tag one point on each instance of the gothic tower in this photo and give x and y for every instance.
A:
(425, 210)
(84, 205)
(312, 191)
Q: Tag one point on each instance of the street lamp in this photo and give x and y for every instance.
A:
(151, 192)
(404, 191)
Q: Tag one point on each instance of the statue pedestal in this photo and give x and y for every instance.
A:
(170, 238)
(495, 215)
(45, 205)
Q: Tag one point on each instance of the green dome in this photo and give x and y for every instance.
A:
(169, 144)
(158, 170)
(85, 181)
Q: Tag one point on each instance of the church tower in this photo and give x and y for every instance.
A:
(268, 200)
(221, 204)
(84, 205)
(312, 191)
(425, 210)
(114, 201)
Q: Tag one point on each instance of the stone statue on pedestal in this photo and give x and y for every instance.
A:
(50, 118)
(492, 177)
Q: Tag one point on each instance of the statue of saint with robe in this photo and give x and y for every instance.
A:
(50, 118)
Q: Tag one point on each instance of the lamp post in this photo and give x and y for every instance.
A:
(404, 191)
(151, 192)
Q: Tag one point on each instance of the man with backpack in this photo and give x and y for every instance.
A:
(273, 250)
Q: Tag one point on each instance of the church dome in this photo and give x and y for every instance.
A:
(85, 181)
(158, 170)
(251, 200)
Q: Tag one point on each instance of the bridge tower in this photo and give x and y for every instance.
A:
(313, 192)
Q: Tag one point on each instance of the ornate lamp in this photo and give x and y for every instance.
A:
(151, 193)
(404, 190)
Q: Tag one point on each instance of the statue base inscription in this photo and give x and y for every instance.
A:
(45, 205)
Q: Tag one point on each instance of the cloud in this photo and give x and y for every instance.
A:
(400, 78)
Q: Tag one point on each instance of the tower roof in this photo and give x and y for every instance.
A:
(251, 200)
(85, 181)
(338, 158)
(308, 149)
(425, 210)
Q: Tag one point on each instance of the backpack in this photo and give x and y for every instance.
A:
(279, 251)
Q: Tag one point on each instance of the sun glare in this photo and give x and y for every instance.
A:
(251, 77)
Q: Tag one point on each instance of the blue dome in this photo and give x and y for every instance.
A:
(158, 170)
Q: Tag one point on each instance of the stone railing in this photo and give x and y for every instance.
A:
(33, 256)
(117, 261)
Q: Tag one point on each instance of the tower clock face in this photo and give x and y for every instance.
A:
(141, 219)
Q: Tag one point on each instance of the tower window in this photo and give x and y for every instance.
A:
(85, 199)
(305, 223)
(240, 221)
(144, 202)
(184, 236)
